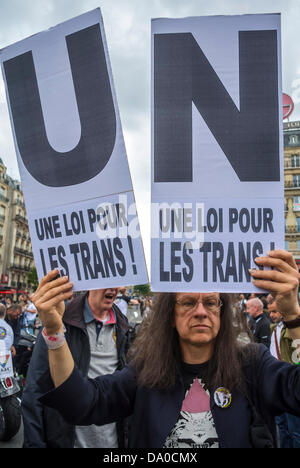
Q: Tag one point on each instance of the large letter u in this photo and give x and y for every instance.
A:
(95, 107)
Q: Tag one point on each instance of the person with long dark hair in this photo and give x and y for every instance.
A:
(189, 382)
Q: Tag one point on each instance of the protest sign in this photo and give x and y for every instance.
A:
(217, 163)
(72, 157)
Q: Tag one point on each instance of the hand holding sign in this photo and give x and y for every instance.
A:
(49, 300)
(282, 280)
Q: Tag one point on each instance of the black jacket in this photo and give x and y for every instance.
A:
(273, 387)
(16, 327)
(260, 327)
(44, 427)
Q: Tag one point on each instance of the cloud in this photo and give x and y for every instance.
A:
(296, 90)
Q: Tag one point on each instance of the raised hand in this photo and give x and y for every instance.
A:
(49, 300)
(282, 281)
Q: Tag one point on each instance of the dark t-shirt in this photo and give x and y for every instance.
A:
(195, 427)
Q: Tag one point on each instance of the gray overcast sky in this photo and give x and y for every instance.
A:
(127, 26)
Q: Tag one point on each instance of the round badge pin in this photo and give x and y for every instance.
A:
(222, 397)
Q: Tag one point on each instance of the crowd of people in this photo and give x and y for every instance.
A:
(264, 323)
(16, 316)
(21, 314)
(184, 379)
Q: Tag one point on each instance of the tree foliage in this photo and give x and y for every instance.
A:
(33, 278)
(142, 290)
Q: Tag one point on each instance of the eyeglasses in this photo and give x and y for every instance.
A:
(190, 304)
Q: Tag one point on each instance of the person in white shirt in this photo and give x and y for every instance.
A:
(123, 301)
(276, 329)
(6, 333)
(29, 314)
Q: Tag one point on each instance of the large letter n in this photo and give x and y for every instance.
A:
(249, 137)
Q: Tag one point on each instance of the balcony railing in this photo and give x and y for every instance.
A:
(21, 219)
(15, 266)
(291, 185)
(20, 251)
(291, 229)
(288, 165)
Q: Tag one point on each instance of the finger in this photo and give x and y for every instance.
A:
(275, 263)
(269, 278)
(273, 275)
(50, 284)
(285, 256)
(47, 306)
(49, 277)
(272, 286)
(53, 292)
(274, 281)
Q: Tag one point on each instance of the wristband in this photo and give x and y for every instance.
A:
(292, 323)
(54, 341)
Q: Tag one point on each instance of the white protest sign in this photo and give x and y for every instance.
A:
(217, 162)
(72, 157)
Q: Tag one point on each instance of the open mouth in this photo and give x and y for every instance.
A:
(109, 296)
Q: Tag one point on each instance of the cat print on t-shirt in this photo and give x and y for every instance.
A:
(195, 427)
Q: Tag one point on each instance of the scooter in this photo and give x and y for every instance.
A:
(10, 404)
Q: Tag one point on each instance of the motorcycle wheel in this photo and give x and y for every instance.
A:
(12, 417)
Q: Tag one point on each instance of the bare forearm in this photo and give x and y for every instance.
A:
(61, 364)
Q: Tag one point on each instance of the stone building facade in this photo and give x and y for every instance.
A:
(16, 257)
(291, 134)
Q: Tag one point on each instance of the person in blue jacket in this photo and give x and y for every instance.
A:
(189, 383)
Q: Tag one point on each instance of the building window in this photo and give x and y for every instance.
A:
(295, 160)
(298, 224)
(298, 245)
(296, 204)
(293, 139)
(296, 180)
(286, 245)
